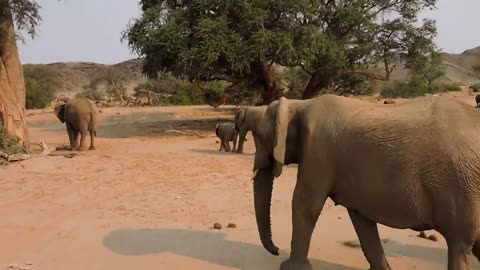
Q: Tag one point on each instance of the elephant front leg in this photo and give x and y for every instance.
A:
(458, 252)
(307, 205)
(367, 232)
(242, 135)
(234, 143)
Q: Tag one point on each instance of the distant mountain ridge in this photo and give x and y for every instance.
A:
(75, 75)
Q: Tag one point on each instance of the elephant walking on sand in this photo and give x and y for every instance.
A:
(246, 120)
(80, 118)
(413, 166)
(227, 133)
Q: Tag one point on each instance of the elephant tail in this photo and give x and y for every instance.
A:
(216, 129)
(93, 123)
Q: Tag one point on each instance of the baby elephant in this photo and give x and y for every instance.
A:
(227, 133)
(80, 118)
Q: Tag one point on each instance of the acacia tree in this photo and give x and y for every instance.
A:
(22, 14)
(206, 40)
(354, 37)
(240, 40)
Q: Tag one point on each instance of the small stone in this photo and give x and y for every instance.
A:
(339, 217)
(23, 268)
(433, 238)
(13, 266)
(422, 235)
(217, 226)
(231, 225)
(29, 263)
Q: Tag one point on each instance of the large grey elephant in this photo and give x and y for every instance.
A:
(247, 119)
(80, 118)
(227, 133)
(411, 166)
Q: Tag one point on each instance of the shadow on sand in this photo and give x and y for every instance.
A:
(202, 245)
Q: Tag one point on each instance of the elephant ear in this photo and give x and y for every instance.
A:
(282, 121)
(240, 116)
(60, 112)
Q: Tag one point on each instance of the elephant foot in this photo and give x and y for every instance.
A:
(92, 148)
(82, 149)
(292, 265)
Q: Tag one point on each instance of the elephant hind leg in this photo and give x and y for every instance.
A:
(83, 141)
(93, 134)
(367, 232)
(71, 137)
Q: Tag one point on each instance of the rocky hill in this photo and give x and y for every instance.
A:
(75, 75)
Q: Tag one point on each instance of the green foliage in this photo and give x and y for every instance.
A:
(475, 87)
(229, 40)
(415, 87)
(9, 144)
(41, 84)
(297, 79)
(38, 95)
(428, 66)
(180, 92)
(25, 15)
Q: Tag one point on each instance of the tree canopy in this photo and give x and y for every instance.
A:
(239, 41)
(25, 15)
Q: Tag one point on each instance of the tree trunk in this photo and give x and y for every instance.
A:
(317, 82)
(12, 85)
(271, 89)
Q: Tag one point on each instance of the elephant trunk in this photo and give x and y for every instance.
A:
(262, 189)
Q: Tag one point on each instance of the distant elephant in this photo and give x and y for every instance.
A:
(247, 119)
(477, 100)
(412, 166)
(80, 118)
(227, 133)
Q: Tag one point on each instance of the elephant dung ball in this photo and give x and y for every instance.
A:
(231, 225)
(433, 238)
(217, 226)
(422, 235)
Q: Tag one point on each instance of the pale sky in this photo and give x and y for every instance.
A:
(90, 30)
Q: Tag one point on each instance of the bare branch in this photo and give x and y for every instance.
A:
(194, 133)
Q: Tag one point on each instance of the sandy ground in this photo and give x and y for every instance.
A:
(146, 200)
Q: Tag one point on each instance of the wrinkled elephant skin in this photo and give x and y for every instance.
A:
(407, 166)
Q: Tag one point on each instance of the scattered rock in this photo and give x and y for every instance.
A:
(13, 266)
(422, 234)
(108, 156)
(433, 238)
(389, 101)
(339, 217)
(29, 263)
(231, 225)
(217, 226)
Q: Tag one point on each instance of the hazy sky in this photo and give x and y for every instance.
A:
(90, 30)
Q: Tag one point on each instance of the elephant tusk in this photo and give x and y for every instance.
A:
(255, 174)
